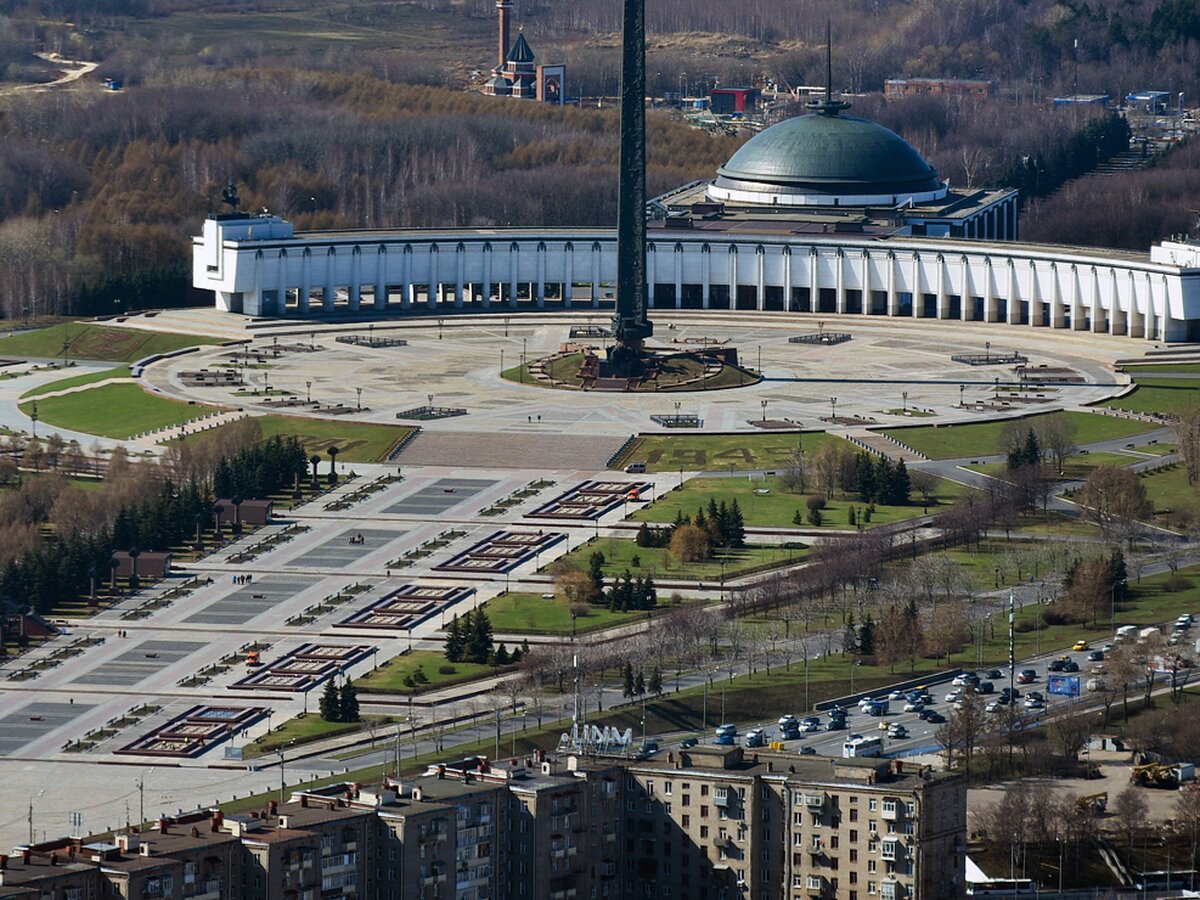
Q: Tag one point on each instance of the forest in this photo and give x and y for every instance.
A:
(101, 192)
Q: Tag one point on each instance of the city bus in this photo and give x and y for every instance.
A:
(862, 746)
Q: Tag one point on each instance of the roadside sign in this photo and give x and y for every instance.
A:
(1063, 685)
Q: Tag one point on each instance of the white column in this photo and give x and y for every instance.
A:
(1035, 298)
(435, 278)
(1118, 320)
(281, 285)
(706, 274)
(990, 311)
(355, 279)
(381, 261)
(733, 276)
(460, 264)
(406, 286)
(305, 282)
(760, 278)
(1014, 304)
(942, 303)
(330, 260)
(814, 282)
(893, 295)
(918, 299)
(864, 281)
(839, 282)
(787, 278)
(966, 305)
(1078, 317)
(679, 276)
(487, 274)
(514, 252)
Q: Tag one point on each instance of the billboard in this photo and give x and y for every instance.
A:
(1064, 685)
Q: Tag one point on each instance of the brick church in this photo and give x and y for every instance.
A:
(516, 74)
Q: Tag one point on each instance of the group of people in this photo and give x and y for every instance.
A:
(242, 579)
(357, 539)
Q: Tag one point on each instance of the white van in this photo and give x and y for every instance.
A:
(635, 468)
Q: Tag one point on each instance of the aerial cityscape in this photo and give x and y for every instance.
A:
(764, 463)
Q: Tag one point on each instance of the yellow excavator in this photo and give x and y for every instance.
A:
(1092, 803)
(1154, 775)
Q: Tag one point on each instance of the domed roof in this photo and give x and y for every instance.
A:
(829, 155)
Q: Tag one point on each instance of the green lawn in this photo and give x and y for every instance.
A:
(983, 438)
(712, 452)
(1078, 466)
(1159, 395)
(1163, 368)
(1170, 493)
(1163, 449)
(620, 554)
(86, 341)
(777, 507)
(389, 677)
(300, 730)
(115, 411)
(77, 381)
(528, 613)
(356, 441)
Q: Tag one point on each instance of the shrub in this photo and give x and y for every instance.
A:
(447, 669)
(1176, 583)
(814, 502)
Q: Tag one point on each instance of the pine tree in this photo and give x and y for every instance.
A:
(596, 570)
(627, 679)
(656, 684)
(737, 526)
(901, 485)
(500, 656)
(850, 517)
(866, 637)
(348, 703)
(639, 685)
(644, 538)
(455, 640)
(331, 704)
(649, 593)
(479, 641)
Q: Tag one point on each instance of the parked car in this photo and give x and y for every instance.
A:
(648, 749)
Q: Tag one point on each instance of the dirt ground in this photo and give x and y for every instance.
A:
(1114, 767)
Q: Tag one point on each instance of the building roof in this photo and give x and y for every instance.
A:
(520, 52)
(821, 153)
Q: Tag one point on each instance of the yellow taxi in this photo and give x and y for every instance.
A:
(1080, 645)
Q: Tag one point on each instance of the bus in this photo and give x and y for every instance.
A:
(862, 746)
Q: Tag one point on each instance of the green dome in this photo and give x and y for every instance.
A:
(830, 155)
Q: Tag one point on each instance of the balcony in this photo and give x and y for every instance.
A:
(890, 890)
(891, 810)
(814, 801)
(816, 849)
(435, 878)
(890, 851)
(721, 800)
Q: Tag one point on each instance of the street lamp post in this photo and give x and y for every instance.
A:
(764, 409)
(359, 391)
(1112, 603)
(904, 402)
(308, 392)
(961, 399)
(832, 409)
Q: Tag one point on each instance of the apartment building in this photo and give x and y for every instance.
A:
(714, 822)
(706, 823)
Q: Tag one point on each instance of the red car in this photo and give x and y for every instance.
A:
(1026, 676)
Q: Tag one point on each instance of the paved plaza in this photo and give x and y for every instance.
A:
(512, 435)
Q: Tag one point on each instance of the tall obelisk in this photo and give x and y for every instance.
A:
(630, 325)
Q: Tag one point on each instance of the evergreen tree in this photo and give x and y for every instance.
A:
(596, 571)
(348, 703)
(331, 703)
(864, 476)
(627, 679)
(649, 593)
(479, 640)
(850, 517)
(639, 685)
(866, 637)
(737, 526)
(656, 683)
(455, 640)
(901, 485)
(500, 656)
(644, 538)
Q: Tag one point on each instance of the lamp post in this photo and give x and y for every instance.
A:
(760, 359)
(506, 319)
(429, 398)
(764, 409)
(832, 409)
(308, 392)
(677, 405)
(358, 390)
(904, 402)
(33, 417)
(441, 322)
(522, 369)
(961, 399)
(501, 361)
(987, 351)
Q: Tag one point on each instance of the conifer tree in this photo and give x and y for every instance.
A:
(348, 703)
(639, 685)
(627, 679)
(656, 683)
(331, 703)
(455, 640)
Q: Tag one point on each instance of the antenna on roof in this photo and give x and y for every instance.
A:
(827, 106)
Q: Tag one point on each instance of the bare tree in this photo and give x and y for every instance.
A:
(1056, 436)
(1130, 813)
